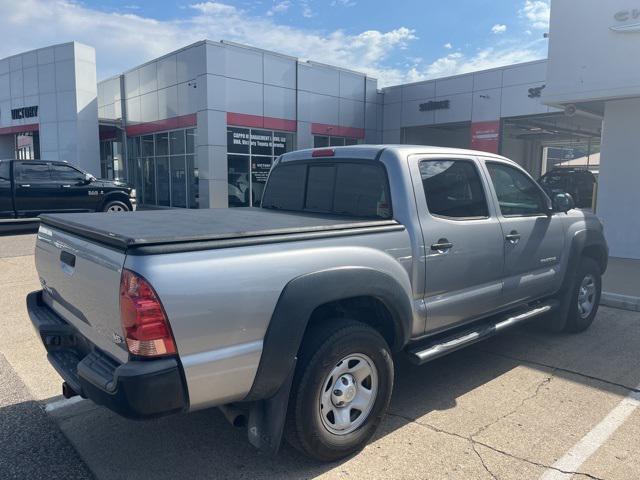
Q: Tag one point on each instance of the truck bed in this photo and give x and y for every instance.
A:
(167, 231)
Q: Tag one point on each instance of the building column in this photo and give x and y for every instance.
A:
(619, 180)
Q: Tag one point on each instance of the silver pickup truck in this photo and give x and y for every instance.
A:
(288, 317)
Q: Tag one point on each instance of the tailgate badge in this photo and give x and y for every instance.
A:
(117, 338)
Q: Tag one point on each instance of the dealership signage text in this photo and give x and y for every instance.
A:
(625, 16)
(24, 112)
(435, 105)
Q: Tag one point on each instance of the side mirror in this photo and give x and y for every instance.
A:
(563, 202)
(88, 178)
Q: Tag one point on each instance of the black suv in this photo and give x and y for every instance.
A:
(31, 187)
(578, 182)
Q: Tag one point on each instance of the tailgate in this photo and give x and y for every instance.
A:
(81, 283)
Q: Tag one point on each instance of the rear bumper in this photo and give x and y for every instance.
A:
(137, 389)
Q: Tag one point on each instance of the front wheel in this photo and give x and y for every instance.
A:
(583, 297)
(115, 206)
(341, 390)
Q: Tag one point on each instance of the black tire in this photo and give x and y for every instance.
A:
(576, 319)
(116, 206)
(322, 350)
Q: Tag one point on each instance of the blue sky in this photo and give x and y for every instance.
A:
(400, 41)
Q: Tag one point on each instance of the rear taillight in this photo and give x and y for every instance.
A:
(144, 322)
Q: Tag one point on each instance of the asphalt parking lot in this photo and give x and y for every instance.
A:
(519, 406)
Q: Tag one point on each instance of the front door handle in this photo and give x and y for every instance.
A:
(25, 185)
(66, 186)
(513, 237)
(442, 246)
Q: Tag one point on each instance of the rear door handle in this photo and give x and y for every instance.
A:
(442, 246)
(66, 186)
(25, 185)
(513, 237)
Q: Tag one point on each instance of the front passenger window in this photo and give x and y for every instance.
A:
(517, 194)
(66, 173)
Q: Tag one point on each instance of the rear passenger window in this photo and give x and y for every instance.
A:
(33, 172)
(453, 189)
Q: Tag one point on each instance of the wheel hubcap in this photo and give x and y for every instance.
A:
(587, 296)
(115, 208)
(348, 394)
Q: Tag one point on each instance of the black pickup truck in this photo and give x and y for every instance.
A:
(31, 187)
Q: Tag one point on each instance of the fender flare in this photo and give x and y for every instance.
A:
(580, 241)
(301, 296)
(115, 195)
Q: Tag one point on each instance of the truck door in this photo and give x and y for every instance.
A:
(35, 193)
(533, 240)
(6, 199)
(74, 191)
(463, 241)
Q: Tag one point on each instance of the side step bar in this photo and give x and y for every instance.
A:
(441, 346)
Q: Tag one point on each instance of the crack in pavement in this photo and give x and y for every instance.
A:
(484, 465)
(544, 382)
(560, 369)
(490, 447)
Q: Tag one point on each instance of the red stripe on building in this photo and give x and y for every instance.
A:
(32, 127)
(336, 130)
(257, 121)
(184, 121)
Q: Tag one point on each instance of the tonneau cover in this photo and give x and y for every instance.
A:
(160, 227)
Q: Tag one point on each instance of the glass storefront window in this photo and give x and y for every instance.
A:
(178, 181)
(239, 186)
(261, 142)
(146, 146)
(194, 188)
(162, 179)
(176, 142)
(238, 140)
(161, 172)
(191, 140)
(149, 181)
(322, 141)
(162, 144)
(250, 154)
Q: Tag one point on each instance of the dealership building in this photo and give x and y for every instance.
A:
(200, 127)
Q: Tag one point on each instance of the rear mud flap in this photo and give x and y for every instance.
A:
(267, 418)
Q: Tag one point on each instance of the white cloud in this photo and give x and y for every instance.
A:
(448, 46)
(124, 40)
(537, 13)
(307, 11)
(498, 28)
(344, 3)
(279, 7)
(457, 62)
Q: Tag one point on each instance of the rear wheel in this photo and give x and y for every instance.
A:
(115, 206)
(341, 390)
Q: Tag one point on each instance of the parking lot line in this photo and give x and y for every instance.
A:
(65, 402)
(593, 440)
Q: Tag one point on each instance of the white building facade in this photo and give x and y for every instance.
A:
(48, 105)
(202, 125)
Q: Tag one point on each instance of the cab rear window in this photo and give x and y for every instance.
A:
(357, 189)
